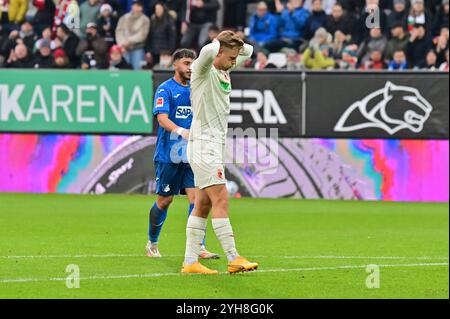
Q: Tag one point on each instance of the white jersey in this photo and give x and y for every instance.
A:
(210, 94)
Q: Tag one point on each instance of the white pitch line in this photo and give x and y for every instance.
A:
(180, 256)
(97, 277)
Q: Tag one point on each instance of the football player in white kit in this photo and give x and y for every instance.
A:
(210, 98)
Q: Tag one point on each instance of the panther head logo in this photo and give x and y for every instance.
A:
(392, 108)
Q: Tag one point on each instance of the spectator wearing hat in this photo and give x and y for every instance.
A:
(317, 19)
(116, 59)
(68, 41)
(399, 14)
(318, 56)
(441, 18)
(349, 58)
(418, 46)
(46, 34)
(93, 50)
(43, 58)
(89, 11)
(162, 35)
(398, 61)
(61, 60)
(44, 15)
(199, 16)
(19, 58)
(263, 25)
(398, 42)
(293, 19)
(131, 34)
(107, 24)
(376, 42)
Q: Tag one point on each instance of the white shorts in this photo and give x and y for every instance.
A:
(207, 160)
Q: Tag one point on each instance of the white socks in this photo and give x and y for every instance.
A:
(224, 233)
(195, 233)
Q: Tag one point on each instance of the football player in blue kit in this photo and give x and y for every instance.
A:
(174, 176)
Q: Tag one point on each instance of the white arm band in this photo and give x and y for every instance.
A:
(179, 131)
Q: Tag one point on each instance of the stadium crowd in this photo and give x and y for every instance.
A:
(290, 34)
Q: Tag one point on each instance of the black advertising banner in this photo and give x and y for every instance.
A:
(261, 100)
(377, 105)
(267, 100)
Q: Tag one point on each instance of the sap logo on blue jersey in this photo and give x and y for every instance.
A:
(183, 112)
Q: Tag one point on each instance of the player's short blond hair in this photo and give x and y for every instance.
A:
(230, 40)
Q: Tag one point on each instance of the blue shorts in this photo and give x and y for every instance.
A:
(173, 179)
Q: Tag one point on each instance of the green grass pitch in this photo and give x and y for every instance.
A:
(306, 249)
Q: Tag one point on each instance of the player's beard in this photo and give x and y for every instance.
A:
(186, 76)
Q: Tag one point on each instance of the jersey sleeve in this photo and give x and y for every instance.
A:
(206, 58)
(161, 104)
(246, 53)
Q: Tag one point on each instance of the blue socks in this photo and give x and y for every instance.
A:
(156, 221)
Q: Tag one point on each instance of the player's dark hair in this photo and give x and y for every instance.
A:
(183, 53)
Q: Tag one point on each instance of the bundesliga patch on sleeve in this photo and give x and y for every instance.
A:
(160, 102)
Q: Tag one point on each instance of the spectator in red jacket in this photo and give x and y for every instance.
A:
(375, 62)
(116, 59)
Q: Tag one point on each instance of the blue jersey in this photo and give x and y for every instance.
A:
(173, 99)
